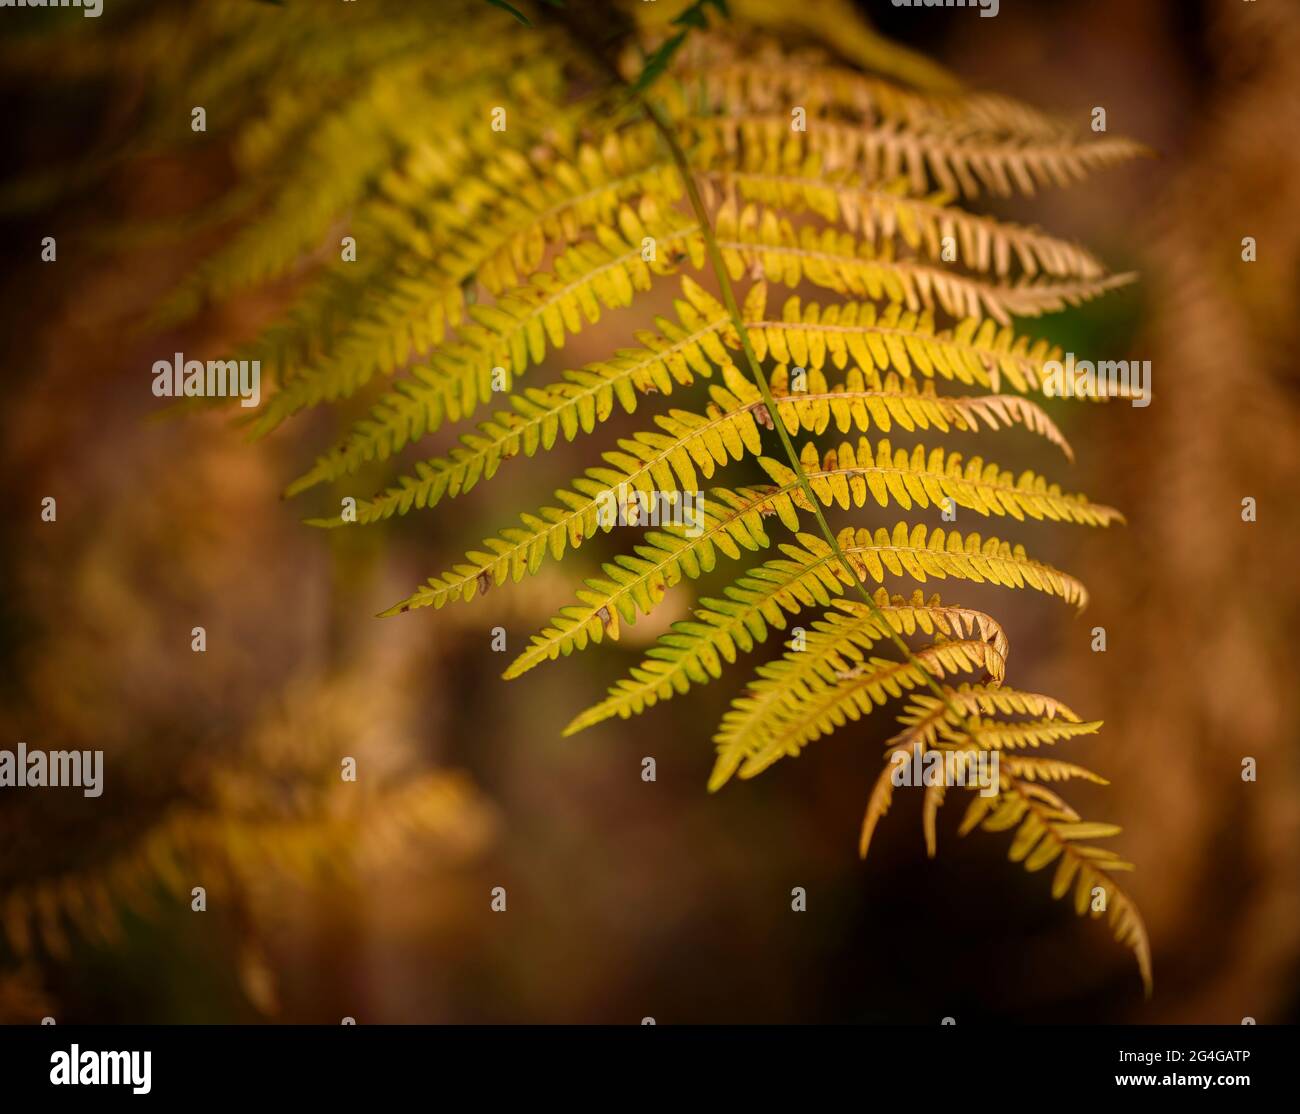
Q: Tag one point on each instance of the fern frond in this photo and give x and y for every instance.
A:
(955, 724)
(829, 699)
(924, 714)
(864, 402)
(511, 334)
(692, 651)
(761, 244)
(726, 432)
(724, 76)
(639, 583)
(880, 215)
(846, 476)
(975, 352)
(1048, 830)
(665, 557)
(1037, 768)
(645, 464)
(481, 254)
(825, 648)
(998, 735)
(677, 353)
(956, 162)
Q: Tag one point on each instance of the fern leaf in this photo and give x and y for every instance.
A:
(677, 660)
(512, 334)
(879, 215)
(1048, 831)
(761, 244)
(847, 476)
(638, 583)
(824, 703)
(724, 75)
(676, 353)
(743, 723)
(645, 464)
(957, 163)
(975, 352)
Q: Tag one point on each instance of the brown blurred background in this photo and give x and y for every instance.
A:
(629, 899)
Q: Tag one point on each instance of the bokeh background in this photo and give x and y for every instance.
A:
(629, 899)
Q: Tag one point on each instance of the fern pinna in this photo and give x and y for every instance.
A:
(837, 317)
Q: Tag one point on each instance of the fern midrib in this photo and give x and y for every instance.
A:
(756, 370)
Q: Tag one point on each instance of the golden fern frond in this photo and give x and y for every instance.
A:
(1048, 830)
(810, 573)
(975, 352)
(646, 464)
(709, 442)
(924, 714)
(726, 431)
(829, 699)
(866, 401)
(879, 215)
(998, 735)
(846, 476)
(638, 581)
(954, 723)
(676, 353)
(1037, 768)
(511, 334)
(760, 244)
(723, 74)
(743, 723)
(953, 160)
